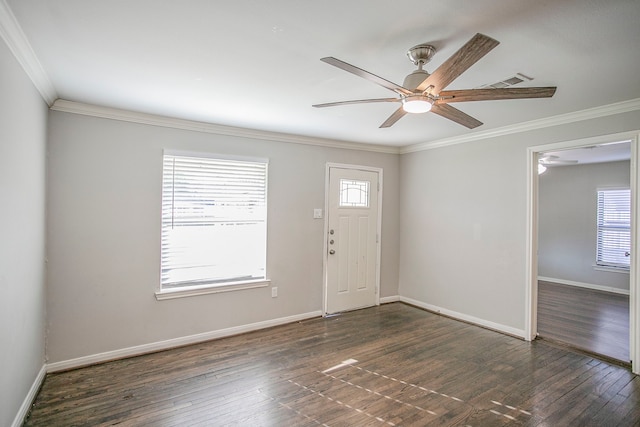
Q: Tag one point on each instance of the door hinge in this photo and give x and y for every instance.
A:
(377, 238)
(378, 186)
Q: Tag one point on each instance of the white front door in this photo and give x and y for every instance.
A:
(352, 239)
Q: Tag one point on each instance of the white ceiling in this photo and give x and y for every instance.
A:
(256, 64)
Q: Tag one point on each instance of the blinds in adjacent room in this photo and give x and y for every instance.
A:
(214, 220)
(614, 228)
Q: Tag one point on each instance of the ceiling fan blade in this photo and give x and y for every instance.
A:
(449, 96)
(397, 115)
(465, 57)
(451, 113)
(357, 101)
(559, 162)
(550, 160)
(366, 75)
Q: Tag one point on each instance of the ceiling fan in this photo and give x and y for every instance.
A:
(551, 160)
(546, 160)
(422, 92)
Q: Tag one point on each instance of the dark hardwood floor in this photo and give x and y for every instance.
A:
(393, 365)
(591, 320)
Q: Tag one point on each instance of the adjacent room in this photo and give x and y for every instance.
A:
(584, 248)
(330, 213)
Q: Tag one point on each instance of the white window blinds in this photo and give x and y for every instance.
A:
(214, 221)
(614, 228)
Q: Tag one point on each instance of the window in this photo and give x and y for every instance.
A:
(354, 193)
(614, 228)
(214, 221)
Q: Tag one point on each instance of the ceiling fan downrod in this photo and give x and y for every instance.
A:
(419, 55)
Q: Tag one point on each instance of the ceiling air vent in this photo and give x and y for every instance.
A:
(510, 81)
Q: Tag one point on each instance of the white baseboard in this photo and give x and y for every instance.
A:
(466, 318)
(31, 396)
(387, 300)
(585, 285)
(175, 342)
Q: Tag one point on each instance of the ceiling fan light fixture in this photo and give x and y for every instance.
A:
(417, 104)
(541, 168)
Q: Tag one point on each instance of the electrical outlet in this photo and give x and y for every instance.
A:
(274, 292)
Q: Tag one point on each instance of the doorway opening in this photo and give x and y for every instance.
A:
(584, 248)
(541, 264)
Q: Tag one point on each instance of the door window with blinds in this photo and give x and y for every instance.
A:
(214, 221)
(614, 228)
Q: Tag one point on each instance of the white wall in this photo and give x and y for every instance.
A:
(567, 222)
(104, 234)
(23, 121)
(463, 211)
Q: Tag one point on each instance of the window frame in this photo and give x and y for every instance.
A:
(205, 286)
(601, 264)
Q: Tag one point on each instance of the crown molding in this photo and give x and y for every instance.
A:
(18, 44)
(169, 122)
(578, 116)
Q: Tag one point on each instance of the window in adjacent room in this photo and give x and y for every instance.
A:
(614, 228)
(214, 222)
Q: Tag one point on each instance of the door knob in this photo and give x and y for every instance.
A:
(331, 252)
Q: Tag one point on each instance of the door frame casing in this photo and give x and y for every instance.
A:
(325, 257)
(531, 268)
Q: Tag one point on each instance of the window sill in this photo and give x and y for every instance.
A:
(611, 269)
(190, 291)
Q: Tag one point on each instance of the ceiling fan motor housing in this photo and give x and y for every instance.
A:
(412, 81)
(419, 55)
